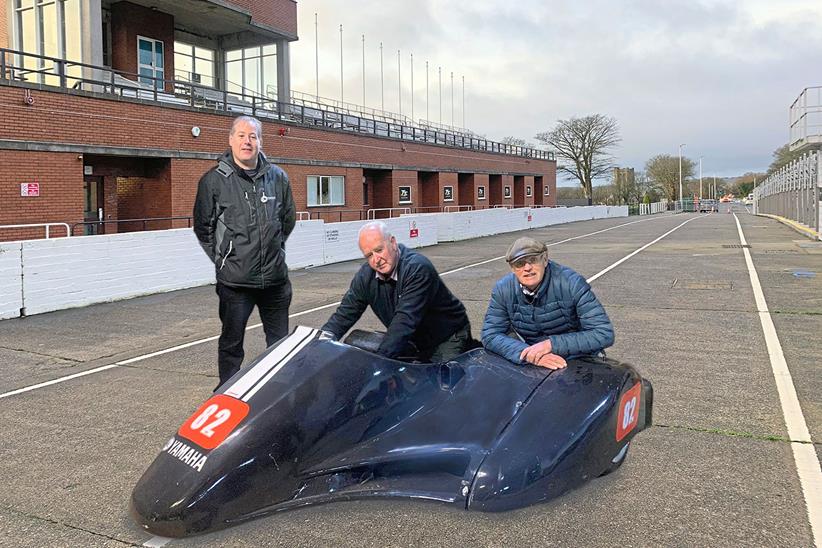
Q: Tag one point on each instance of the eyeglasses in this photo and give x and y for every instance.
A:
(530, 259)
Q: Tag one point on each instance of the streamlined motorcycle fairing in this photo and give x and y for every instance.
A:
(313, 420)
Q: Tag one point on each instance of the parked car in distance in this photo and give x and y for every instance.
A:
(707, 204)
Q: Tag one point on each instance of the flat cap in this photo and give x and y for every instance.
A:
(523, 247)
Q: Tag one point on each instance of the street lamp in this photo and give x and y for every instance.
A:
(680, 172)
(700, 177)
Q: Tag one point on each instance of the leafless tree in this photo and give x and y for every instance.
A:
(663, 170)
(581, 145)
(516, 141)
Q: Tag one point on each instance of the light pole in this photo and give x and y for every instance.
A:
(700, 177)
(342, 97)
(680, 172)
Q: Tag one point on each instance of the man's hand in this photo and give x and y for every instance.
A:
(552, 361)
(540, 354)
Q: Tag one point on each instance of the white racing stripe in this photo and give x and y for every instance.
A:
(804, 452)
(263, 370)
(309, 311)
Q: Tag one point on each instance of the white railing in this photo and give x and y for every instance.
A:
(793, 192)
(401, 211)
(451, 208)
(46, 225)
(303, 216)
(653, 208)
(806, 118)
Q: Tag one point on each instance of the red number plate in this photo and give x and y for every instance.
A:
(628, 411)
(211, 424)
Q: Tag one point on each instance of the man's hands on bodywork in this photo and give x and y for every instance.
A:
(540, 354)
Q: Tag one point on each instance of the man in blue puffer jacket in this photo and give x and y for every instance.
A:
(542, 312)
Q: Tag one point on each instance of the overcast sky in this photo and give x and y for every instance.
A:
(718, 76)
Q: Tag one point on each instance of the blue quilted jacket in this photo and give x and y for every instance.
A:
(564, 310)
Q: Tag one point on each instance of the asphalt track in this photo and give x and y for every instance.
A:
(717, 468)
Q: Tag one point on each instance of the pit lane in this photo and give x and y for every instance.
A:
(716, 468)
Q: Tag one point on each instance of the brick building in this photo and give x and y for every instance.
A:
(113, 111)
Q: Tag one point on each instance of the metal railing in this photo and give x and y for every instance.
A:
(91, 228)
(372, 213)
(793, 192)
(47, 226)
(806, 118)
(653, 208)
(42, 70)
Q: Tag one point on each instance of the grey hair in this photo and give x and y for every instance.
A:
(258, 126)
(376, 225)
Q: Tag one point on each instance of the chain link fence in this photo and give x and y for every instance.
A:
(793, 192)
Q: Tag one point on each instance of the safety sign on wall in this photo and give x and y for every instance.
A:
(414, 231)
(29, 189)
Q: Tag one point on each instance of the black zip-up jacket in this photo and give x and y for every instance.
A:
(418, 307)
(243, 222)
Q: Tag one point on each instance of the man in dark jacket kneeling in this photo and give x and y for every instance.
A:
(408, 296)
(243, 215)
(551, 311)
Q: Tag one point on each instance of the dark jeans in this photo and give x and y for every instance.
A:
(453, 346)
(236, 304)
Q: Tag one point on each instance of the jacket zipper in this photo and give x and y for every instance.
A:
(225, 257)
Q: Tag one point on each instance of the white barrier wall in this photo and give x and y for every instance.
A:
(70, 272)
(464, 225)
(11, 281)
(341, 238)
(46, 275)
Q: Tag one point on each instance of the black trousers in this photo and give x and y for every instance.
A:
(236, 304)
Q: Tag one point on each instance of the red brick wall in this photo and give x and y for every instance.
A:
(278, 14)
(61, 191)
(448, 179)
(428, 183)
(507, 181)
(130, 20)
(479, 179)
(65, 118)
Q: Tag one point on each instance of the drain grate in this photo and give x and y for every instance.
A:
(736, 246)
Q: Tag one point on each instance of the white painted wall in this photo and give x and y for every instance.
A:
(11, 282)
(71, 272)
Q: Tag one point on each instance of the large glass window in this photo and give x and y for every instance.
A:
(324, 190)
(252, 71)
(40, 29)
(150, 63)
(194, 64)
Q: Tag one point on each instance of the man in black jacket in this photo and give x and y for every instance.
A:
(408, 296)
(243, 215)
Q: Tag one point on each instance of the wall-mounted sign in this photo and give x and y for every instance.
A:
(528, 190)
(413, 231)
(480, 193)
(507, 193)
(447, 194)
(405, 194)
(332, 235)
(29, 189)
(546, 192)
(88, 170)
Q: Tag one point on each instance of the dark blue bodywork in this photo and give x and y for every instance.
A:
(328, 421)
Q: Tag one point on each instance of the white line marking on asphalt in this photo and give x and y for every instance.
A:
(309, 311)
(157, 542)
(646, 246)
(804, 451)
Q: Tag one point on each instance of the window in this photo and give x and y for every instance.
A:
(252, 71)
(150, 62)
(40, 28)
(326, 190)
(194, 64)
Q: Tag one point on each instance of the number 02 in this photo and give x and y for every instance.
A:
(628, 412)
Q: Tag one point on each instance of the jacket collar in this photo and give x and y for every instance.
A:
(226, 163)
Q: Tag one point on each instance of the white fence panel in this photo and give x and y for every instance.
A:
(306, 245)
(11, 281)
(341, 238)
(78, 271)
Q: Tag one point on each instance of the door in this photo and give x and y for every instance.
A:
(150, 63)
(93, 205)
